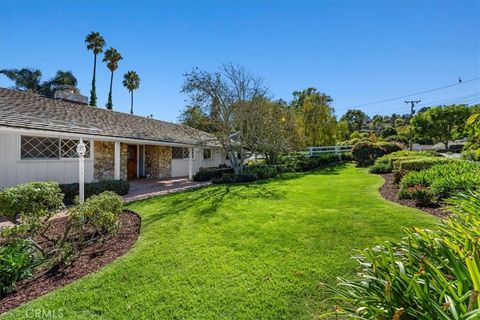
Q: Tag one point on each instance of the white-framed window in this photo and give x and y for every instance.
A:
(207, 154)
(46, 148)
(182, 153)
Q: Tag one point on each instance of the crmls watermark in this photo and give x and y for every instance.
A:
(44, 313)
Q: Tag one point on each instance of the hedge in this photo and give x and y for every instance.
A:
(207, 174)
(384, 164)
(120, 187)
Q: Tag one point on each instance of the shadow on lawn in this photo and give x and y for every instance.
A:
(207, 200)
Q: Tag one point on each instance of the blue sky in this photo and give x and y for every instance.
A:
(356, 51)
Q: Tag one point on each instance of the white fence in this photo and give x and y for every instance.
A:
(316, 151)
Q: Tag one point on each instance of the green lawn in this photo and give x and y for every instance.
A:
(239, 252)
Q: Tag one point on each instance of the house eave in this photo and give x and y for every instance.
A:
(98, 137)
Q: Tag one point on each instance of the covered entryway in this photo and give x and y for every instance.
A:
(132, 161)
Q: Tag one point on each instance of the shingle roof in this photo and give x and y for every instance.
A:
(27, 110)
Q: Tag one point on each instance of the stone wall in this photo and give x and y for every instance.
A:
(104, 160)
(158, 160)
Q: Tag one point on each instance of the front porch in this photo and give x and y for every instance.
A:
(145, 188)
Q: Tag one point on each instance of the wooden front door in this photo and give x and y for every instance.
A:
(132, 162)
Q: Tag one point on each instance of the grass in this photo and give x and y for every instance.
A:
(238, 252)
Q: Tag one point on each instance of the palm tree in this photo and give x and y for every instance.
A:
(112, 56)
(26, 79)
(61, 78)
(95, 42)
(131, 81)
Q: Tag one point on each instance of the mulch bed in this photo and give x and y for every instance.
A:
(389, 191)
(92, 258)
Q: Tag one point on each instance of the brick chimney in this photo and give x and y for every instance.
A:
(70, 93)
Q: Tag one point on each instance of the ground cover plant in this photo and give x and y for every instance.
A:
(431, 274)
(443, 180)
(251, 251)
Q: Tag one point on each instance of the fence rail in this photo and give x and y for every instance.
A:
(315, 151)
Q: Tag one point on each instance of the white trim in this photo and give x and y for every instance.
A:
(190, 163)
(117, 160)
(95, 137)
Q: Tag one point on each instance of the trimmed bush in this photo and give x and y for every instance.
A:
(385, 163)
(207, 174)
(365, 153)
(99, 214)
(380, 167)
(262, 171)
(444, 179)
(31, 200)
(17, 261)
(430, 274)
(120, 187)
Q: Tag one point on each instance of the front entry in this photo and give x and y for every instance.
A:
(132, 162)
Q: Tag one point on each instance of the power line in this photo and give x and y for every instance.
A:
(412, 94)
(470, 97)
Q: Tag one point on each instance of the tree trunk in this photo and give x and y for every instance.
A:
(93, 92)
(236, 163)
(131, 102)
(110, 103)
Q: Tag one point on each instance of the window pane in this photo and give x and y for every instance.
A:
(177, 153)
(207, 154)
(39, 148)
(69, 148)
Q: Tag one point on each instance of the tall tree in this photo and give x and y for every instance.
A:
(317, 118)
(219, 94)
(26, 79)
(61, 78)
(356, 120)
(195, 117)
(95, 42)
(111, 57)
(442, 123)
(131, 81)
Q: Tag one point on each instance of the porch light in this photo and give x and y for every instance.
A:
(81, 149)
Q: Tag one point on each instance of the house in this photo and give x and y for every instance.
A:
(38, 139)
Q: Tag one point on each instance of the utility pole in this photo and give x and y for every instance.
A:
(412, 112)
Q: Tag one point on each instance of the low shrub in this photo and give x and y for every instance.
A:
(444, 179)
(17, 261)
(420, 194)
(380, 167)
(120, 187)
(226, 178)
(99, 214)
(365, 153)
(96, 219)
(403, 166)
(207, 174)
(472, 154)
(430, 274)
(262, 171)
(246, 177)
(385, 163)
(34, 200)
